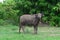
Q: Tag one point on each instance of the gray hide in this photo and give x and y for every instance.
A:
(30, 20)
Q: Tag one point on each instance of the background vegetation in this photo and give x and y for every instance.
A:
(10, 10)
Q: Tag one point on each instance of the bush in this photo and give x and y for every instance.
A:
(2, 22)
(6, 22)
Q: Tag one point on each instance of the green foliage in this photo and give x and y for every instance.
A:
(12, 9)
(2, 22)
(7, 22)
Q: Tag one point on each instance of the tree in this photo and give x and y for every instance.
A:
(13, 9)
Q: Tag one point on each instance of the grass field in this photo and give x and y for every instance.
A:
(10, 32)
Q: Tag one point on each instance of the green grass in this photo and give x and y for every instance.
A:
(10, 32)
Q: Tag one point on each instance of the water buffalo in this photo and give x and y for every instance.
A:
(30, 20)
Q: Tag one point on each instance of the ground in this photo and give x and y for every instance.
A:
(10, 32)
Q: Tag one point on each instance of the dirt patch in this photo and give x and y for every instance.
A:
(54, 34)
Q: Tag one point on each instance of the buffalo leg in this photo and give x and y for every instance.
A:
(35, 29)
(22, 28)
(19, 28)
